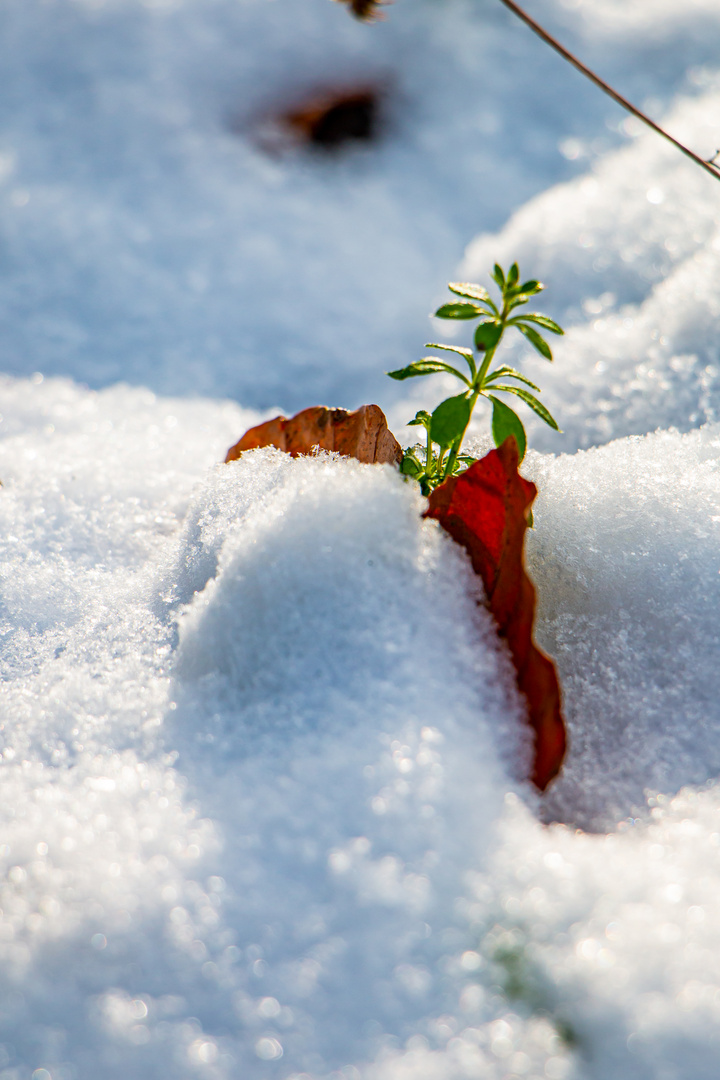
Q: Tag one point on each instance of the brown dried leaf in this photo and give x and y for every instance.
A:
(334, 117)
(362, 434)
(366, 10)
(485, 509)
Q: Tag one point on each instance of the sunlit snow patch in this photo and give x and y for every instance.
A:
(340, 704)
(626, 557)
(618, 935)
(630, 254)
(264, 838)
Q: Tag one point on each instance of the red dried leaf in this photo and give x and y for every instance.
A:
(485, 509)
(362, 434)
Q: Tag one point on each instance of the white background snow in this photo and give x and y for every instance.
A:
(261, 801)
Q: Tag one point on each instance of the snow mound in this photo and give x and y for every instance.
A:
(255, 762)
(616, 936)
(240, 839)
(340, 704)
(259, 806)
(325, 580)
(147, 235)
(625, 558)
(630, 252)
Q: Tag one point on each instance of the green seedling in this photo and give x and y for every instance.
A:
(523, 979)
(445, 427)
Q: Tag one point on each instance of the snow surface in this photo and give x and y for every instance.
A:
(261, 803)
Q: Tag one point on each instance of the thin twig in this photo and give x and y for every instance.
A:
(708, 166)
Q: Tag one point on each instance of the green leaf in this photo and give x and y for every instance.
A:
(531, 287)
(429, 365)
(513, 276)
(510, 373)
(466, 288)
(449, 420)
(477, 293)
(498, 276)
(505, 421)
(410, 466)
(487, 335)
(459, 311)
(518, 302)
(541, 320)
(434, 365)
(532, 401)
(422, 419)
(467, 354)
(535, 340)
(516, 297)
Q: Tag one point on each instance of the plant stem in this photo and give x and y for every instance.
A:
(489, 353)
(477, 385)
(458, 442)
(708, 166)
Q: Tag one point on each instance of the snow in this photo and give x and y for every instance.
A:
(261, 801)
(634, 249)
(296, 706)
(625, 558)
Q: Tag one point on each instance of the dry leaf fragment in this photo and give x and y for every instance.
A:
(485, 509)
(328, 120)
(362, 434)
(334, 118)
(366, 10)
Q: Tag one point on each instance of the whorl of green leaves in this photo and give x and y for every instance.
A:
(445, 427)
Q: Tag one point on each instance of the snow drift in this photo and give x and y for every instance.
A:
(259, 807)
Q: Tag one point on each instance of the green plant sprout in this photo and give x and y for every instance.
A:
(445, 427)
(522, 979)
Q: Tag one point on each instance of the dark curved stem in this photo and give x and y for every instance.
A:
(708, 166)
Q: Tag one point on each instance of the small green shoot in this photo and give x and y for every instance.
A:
(445, 427)
(522, 979)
